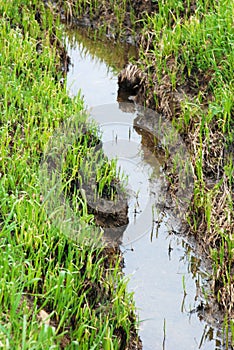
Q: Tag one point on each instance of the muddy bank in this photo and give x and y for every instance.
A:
(120, 20)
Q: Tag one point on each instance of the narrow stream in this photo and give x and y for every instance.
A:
(164, 273)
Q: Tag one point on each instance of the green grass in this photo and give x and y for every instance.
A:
(55, 290)
(42, 267)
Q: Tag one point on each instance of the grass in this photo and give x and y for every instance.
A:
(186, 50)
(56, 291)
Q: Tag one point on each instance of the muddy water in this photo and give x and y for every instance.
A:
(164, 273)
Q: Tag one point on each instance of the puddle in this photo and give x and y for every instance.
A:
(163, 271)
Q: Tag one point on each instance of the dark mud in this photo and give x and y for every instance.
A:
(210, 311)
(111, 215)
(143, 85)
(104, 18)
(133, 87)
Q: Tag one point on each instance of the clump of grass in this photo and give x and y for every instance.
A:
(86, 165)
(55, 290)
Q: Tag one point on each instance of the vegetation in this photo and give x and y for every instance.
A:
(56, 291)
(186, 62)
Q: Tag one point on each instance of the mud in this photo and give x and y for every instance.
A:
(143, 85)
(103, 17)
(111, 215)
(210, 311)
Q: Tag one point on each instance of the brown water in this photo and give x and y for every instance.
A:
(163, 271)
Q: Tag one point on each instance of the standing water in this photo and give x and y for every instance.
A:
(164, 273)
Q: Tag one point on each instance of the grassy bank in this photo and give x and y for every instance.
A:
(187, 57)
(55, 291)
(187, 60)
(186, 72)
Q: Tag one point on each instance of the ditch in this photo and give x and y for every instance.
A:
(169, 280)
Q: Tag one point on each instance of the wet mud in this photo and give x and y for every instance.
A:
(169, 102)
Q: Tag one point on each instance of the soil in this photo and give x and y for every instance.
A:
(111, 215)
(209, 311)
(134, 83)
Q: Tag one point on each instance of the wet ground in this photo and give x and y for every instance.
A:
(164, 273)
